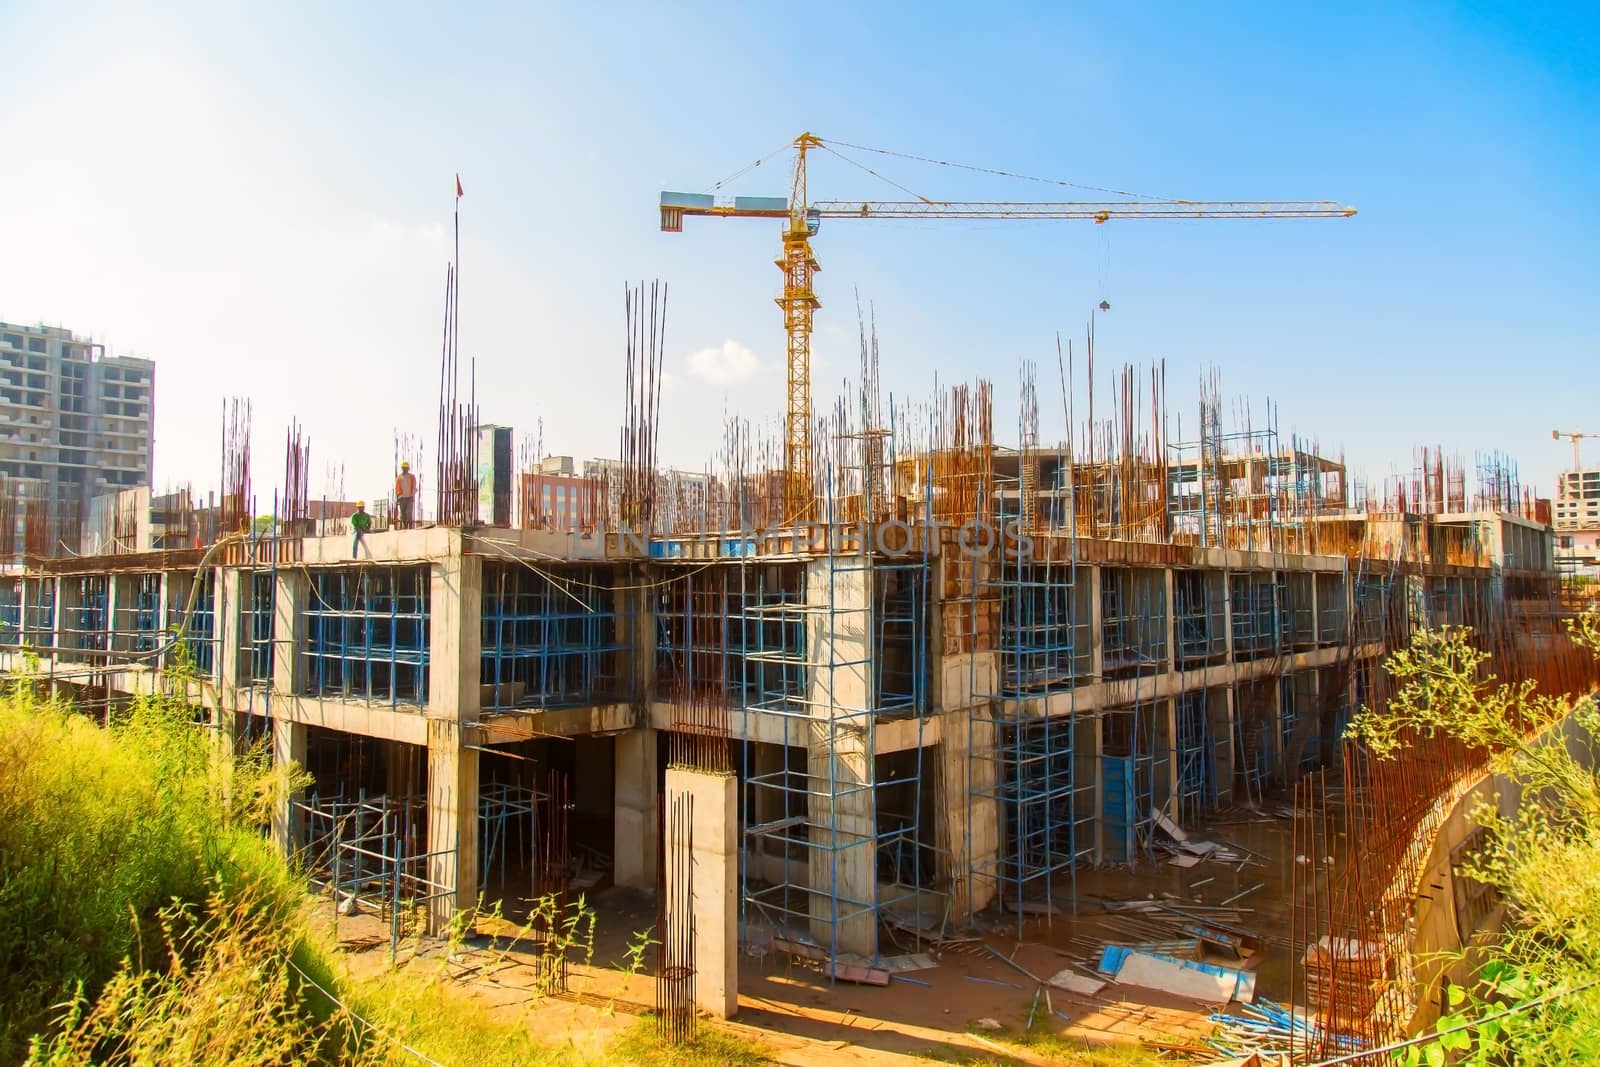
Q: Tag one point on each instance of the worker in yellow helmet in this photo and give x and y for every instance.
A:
(405, 494)
(360, 522)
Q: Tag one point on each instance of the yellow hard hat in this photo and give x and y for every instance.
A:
(361, 503)
(405, 464)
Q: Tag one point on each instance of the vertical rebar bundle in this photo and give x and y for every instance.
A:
(646, 322)
(456, 470)
(8, 520)
(235, 514)
(675, 1008)
(296, 503)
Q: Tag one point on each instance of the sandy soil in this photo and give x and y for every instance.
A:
(791, 1007)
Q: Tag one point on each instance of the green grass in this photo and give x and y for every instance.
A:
(101, 832)
(144, 918)
(1044, 1043)
(709, 1046)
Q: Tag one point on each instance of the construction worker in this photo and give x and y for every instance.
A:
(405, 494)
(360, 522)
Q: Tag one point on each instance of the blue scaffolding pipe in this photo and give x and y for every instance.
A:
(552, 637)
(39, 619)
(774, 664)
(367, 634)
(11, 593)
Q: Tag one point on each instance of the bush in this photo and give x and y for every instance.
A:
(102, 833)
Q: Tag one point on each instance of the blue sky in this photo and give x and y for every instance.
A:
(259, 199)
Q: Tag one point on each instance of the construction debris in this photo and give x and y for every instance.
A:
(1184, 978)
(1075, 983)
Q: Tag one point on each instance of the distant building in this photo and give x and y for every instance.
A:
(1577, 521)
(679, 499)
(1578, 500)
(561, 502)
(75, 423)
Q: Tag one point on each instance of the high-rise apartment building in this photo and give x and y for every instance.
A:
(75, 423)
(1577, 504)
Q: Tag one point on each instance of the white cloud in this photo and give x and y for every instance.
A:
(724, 364)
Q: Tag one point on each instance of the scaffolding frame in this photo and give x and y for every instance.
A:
(1133, 611)
(552, 638)
(1243, 489)
(367, 632)
(1044, 649)
(262, 629)
(1200, 617)
(1196, 753)
(501, 808)
(139, 618)
(39, 611)
(792, 681)
(200, 622)
(86, 630)
(363, 852)
(1256, 601)
(1297, 698)
(11, 594)
(1333, 614)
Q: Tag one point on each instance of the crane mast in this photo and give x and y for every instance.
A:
(802, 218)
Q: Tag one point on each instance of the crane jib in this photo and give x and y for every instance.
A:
(674, 206)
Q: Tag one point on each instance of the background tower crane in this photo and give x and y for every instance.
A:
(802, 219)
(1576, 436)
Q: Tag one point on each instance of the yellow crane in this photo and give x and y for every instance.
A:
(802, 218)
(1576, 436)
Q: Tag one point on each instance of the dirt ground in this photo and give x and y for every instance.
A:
(790, 1006)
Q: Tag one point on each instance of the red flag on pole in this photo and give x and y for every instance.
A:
(458, 187)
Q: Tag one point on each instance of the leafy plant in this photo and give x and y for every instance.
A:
(1535, 996)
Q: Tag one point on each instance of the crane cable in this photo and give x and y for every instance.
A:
(1001, 173)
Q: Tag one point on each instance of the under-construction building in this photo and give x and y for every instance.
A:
(967, 673)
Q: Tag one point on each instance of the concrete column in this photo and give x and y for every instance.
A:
(1227, 612)
(1165, 787)
(713, 851)
(452, 821)
(288, 747)
(839, 763)
(1316, 616)
(1097, 636)
(638, 635)
(233, 593)
(636, 822)
(1219, 716)
(1170, 660)
(1275, 753)
(118, 588)
(455, 638)
(293, 593)
(68, 600)
(969, 815)
(1088, 757)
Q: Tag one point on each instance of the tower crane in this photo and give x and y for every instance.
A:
(802, 218)
(1576, 437)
